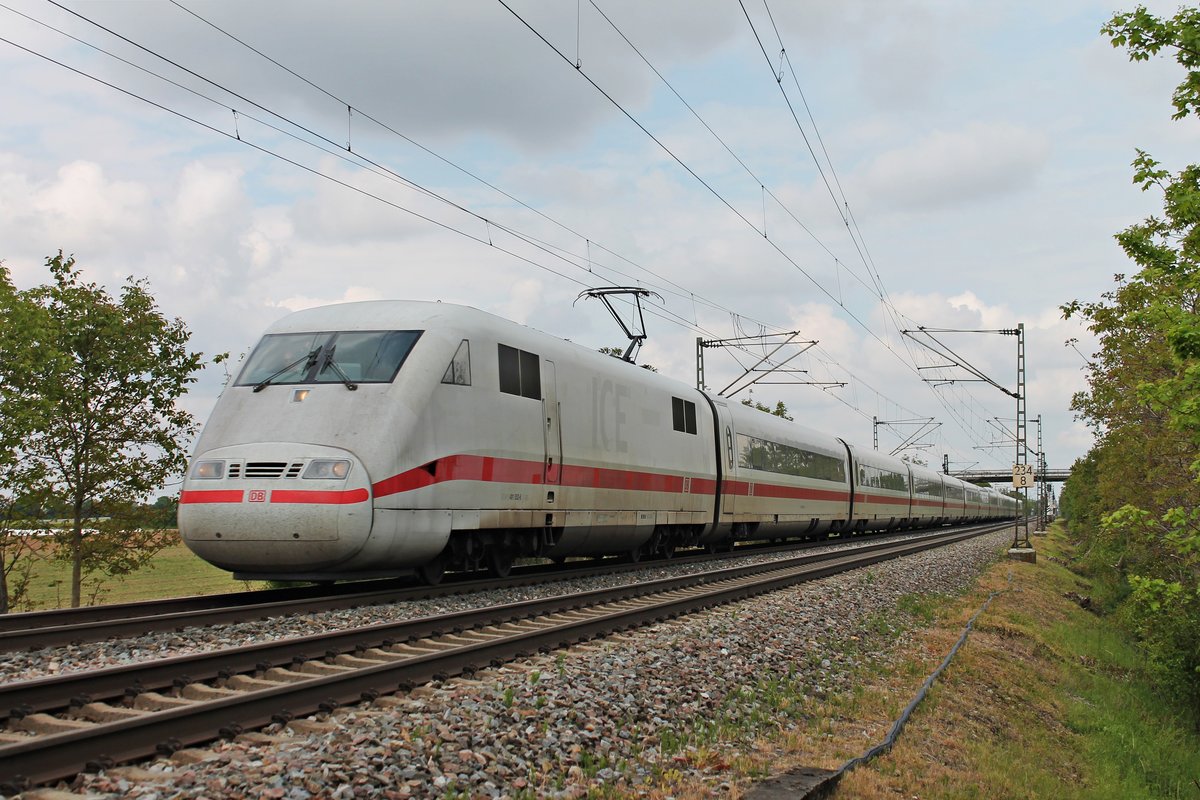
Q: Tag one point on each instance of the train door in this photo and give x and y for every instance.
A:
(552, 429)
(727, 448)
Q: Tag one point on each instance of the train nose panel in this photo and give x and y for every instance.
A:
(276, 506)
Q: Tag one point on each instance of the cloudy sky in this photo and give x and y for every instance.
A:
(970, 159)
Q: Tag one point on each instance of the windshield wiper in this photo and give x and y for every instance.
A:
(311, 358)
(329, 362)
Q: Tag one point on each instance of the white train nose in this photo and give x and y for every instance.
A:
(293, 506)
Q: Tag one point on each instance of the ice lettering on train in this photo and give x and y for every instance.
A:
(608, 415)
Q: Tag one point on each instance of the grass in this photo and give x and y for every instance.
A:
(1045, 700)
(174, 572)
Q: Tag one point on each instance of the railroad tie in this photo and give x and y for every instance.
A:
(103, 712)
(46, 724)
(244, 683)
(284, 675)
(198, 691)
(153, 701)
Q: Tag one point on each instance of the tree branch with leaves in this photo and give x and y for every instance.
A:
(97, 393)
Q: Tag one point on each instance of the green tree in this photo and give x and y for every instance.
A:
(1134, 503)
(22, 499)
(780, 410)
(103, 428)
(617, 352)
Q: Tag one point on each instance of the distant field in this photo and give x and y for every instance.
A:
(174, 572)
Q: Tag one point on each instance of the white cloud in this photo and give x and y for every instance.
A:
(949, 168)
(208, 204)
(82, 208)
(523, 299)
(936, 147)
(352, 294)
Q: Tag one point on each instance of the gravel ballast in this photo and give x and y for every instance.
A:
(624, 716)
(27, 665)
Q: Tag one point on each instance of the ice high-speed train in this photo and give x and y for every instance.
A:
(377, 438)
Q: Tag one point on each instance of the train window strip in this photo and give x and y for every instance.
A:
(784, 459)
(927, 487)
(880, 478)
(520, 372)
(683, 415)
(458, 373)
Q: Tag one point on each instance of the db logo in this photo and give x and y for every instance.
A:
(257, 495)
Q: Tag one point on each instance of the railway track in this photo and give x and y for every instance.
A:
(62, 725)
(40, 629)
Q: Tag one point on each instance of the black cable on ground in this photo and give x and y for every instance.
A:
(810, 783)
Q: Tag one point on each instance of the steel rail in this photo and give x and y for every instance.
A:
(39, 629)
(61, 755)
(44, 694)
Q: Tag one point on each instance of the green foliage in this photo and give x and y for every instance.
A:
(1132, 501)
(780, 410)
(91, 408)
(617, 352)
(21, 496)
(1144, 35)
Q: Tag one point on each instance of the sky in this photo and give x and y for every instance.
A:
(847, 171)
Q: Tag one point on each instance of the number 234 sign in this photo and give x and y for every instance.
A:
(1022, 476)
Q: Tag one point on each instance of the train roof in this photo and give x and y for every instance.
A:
(382, 314)
(465, 320)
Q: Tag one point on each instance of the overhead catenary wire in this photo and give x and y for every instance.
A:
(682, 291)
(911, 361)
(329, 147)
(721, 198)
(339, 151)
(853, 227)
(690, 294)
(664, 314)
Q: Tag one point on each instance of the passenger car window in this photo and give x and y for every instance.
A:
(520, 372)
(683, 415)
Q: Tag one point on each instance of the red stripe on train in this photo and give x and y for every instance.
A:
(319, 497)
(211, 496)
(507, 470)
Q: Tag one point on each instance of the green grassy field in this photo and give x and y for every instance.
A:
(174, 572)
(1046, 700)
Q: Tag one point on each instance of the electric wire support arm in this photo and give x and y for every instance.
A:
(757, 372)
(635, 330)
(924, 336)
(924, 425)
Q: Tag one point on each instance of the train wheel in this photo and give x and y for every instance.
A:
(634, 555)
(432, 572)
(499, 561)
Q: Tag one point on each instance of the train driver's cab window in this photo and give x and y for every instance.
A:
(520, 372)
(459, 371)
(683, 415)
(328, 357)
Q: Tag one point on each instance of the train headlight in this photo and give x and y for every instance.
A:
(208, 470)
(327, 469)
